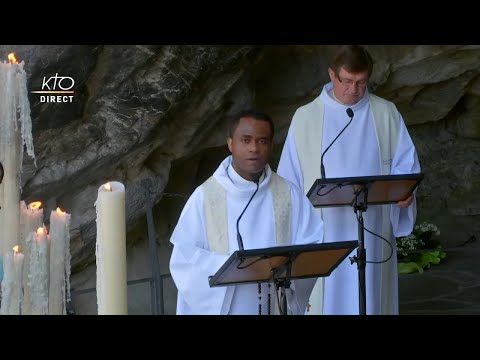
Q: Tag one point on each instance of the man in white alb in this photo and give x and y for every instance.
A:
(374, 141)
(277, 214)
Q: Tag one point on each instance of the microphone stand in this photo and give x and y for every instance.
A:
(283, 282)
(360, 206)
(322, 167)
(239, 236)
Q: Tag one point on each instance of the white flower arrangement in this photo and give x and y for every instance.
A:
(419, 238)
(419, 249)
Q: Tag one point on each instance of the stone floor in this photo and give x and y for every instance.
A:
(449, 288)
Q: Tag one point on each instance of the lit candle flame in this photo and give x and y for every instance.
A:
(108, 186)
(40, 230)
(35, 205)
(12, 59)
(60, 211)
(16, 249)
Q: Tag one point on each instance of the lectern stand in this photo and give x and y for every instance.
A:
(282, 264)
(359, 192)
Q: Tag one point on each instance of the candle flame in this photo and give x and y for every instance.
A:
(40, 230)
(16, 249)
(60, 211)
(35, 205)
(108, 186)
(12, 59)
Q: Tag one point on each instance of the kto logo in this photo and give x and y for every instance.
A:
(57, 87)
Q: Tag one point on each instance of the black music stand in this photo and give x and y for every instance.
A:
(282, 264)
(359, 192)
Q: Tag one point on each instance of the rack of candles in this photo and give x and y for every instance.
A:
(42, 276)
(42, 271)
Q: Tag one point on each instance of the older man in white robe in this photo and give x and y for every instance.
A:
(374, 142)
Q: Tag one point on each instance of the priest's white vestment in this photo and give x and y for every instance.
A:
(375, 143)
(277, 216)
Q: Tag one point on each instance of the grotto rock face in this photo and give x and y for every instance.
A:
(155, 118)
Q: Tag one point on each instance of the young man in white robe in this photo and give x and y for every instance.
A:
(374, 141)
(279, 214)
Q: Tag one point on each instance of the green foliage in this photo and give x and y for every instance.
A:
(420, 249)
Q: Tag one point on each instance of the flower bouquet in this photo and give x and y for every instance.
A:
(418, 250)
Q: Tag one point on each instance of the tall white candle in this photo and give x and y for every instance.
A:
(12, 283)
(111, 250)
(15, 132)
(59, 284)
(9, 192)
(38, 271)
(31, 218)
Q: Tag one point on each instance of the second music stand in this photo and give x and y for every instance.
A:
(359, 192)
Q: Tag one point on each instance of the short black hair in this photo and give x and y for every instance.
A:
(252, 113)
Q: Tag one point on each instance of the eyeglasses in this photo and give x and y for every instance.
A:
(349, 82)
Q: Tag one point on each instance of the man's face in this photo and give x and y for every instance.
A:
(250, 146)
(348, 87)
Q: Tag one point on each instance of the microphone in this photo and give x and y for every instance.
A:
(322, 168)
(256, 179)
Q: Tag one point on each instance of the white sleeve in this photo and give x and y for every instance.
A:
(289, 165)
(307, 224)
(405, 161)
(307, 228)
(192, 262)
